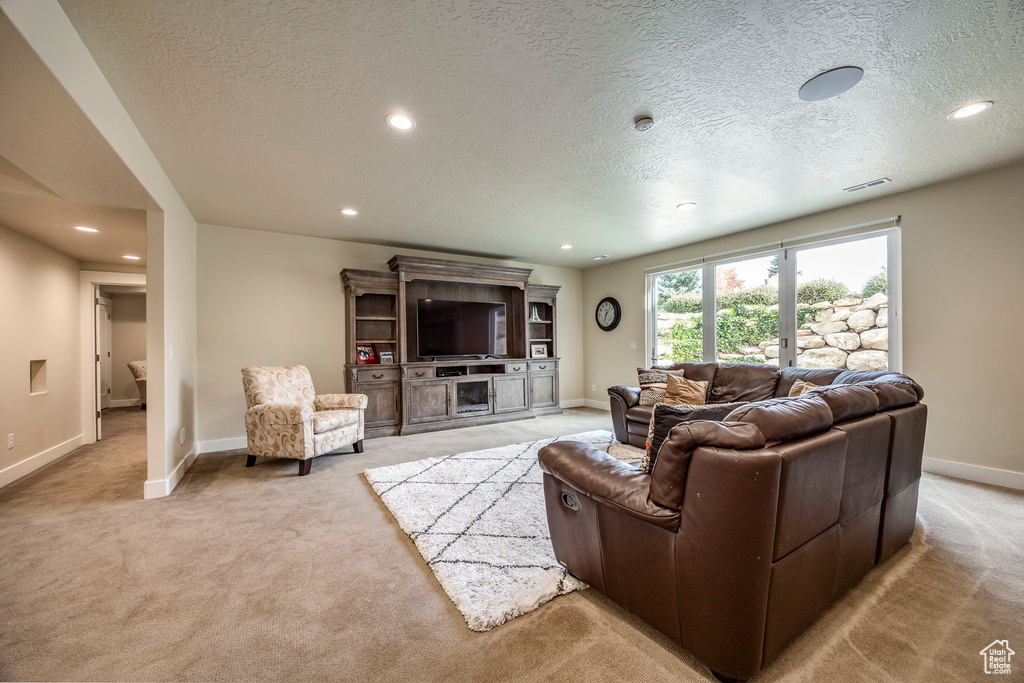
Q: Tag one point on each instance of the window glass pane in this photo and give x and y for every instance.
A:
(747, 311)
(842, 305)
(679, 308)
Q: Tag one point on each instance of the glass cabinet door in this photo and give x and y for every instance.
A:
(472, 397)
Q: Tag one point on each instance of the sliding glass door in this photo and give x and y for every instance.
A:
(822, 305)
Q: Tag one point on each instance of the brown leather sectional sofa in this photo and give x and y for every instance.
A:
(747, 529)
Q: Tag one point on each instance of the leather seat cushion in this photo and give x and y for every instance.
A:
(640, 413)
(328, 420)
(786, 419)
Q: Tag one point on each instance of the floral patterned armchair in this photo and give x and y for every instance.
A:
(284, 417)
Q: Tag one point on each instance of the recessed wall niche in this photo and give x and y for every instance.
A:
(37, 376)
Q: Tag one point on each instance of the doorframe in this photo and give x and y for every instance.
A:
(90, 282)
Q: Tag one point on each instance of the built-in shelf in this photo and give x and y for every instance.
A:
(539, 322)
(539, 340)
(376, 341)
(375, 317)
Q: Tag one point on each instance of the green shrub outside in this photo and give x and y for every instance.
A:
(876, 283)
(817, 291)
(737, 327)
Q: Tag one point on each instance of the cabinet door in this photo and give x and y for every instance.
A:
(472, 397)
(510, 394)
(382, 403)
(429, 401)
(543, 389)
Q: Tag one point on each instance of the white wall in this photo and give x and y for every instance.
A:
(170, 242)
(39, 319)
(127, 343)
(963, 246)
(274, 299)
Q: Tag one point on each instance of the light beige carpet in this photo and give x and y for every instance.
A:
(259, 575)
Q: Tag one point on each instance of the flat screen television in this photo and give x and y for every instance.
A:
(460, 328)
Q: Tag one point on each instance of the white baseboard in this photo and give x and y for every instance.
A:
(600, 405)
(125, 402)
(978, 473)
(34, 462)
(571, 403)
(158, 488)
(215, 445)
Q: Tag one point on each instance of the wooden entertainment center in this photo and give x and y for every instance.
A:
(420, 394)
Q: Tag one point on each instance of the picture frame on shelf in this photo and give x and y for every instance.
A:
(387, 357)
(366, 354)
(538, 350)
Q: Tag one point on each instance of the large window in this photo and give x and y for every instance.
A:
(820, 305)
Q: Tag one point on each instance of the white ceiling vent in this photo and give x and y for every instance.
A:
(864, 186)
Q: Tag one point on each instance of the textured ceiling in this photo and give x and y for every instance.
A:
(270, 115)
(57, 171)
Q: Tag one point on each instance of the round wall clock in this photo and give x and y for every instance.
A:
(608, 314)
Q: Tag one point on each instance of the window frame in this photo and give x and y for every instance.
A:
(787, 253)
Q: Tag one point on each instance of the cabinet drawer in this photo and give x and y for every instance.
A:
(377, 375)
(515, 367)
(420, 373)
(543, 365)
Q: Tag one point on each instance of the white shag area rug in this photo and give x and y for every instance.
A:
(478, 519)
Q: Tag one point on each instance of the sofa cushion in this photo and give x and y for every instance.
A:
(865, 376)
(743, 382)
(682, 391)
(786, 419)
(814, 376)
(800, 388)
(653, 384)
(700, 372)
(848, 401)
(640, 413)
(892, 394)
(664, 417)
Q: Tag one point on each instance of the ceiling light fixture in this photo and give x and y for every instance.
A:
(599, 258)
(132, 258)
(969, 110)
(401, 122)
(642, 123)
(830, 83)
(686, 206)
(350, 212)
(566, 246)
(85, 229)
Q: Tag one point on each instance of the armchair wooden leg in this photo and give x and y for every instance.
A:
(305, 466)
(250, 460)
(357, 447)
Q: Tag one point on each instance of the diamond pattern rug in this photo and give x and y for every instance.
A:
(478, 520)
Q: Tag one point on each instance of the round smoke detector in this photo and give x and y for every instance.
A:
(831, 83)
(642, 123)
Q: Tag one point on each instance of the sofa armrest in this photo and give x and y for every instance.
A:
(629, 395)
(340, 401)
(281, 413)
(606, 480)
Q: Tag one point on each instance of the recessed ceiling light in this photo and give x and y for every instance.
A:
(642, 123)
(599, 258)
(85, 229)
(687, 206)
(969, 110)
(566, 246)
(350, 212)
(830, 83)
(401, 122)
(132, 258)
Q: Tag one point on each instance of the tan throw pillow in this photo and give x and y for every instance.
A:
(685, 391)
(801, 387)
(653, 383)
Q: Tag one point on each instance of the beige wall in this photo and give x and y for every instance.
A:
(127, 343)
(274, 299)
(39, 314)
(963, 238)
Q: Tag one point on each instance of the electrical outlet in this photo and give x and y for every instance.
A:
(593, 387)
(170, 352)
(632, 346)
(181, 437)
(10, 441)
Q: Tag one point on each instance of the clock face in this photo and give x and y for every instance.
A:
(608, 314)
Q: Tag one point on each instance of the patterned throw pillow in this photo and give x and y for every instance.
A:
(801, 387)
(664, 417)
(653, 384)
(682, 391)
